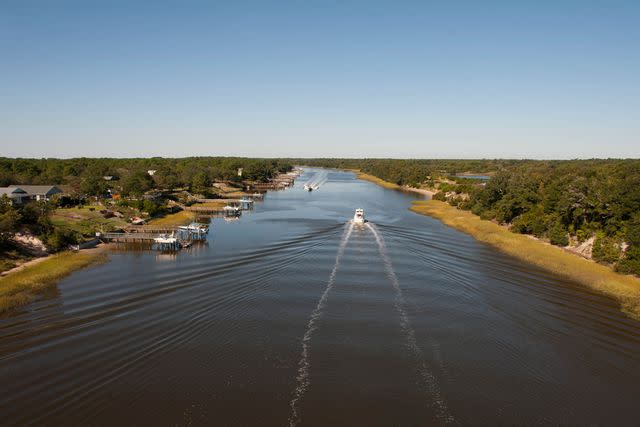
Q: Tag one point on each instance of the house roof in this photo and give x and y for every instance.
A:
(9, 191)
(38, 189)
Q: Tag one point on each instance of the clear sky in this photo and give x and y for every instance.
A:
(457, 79)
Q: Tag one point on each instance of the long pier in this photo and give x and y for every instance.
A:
(157, 236)
(153, 229)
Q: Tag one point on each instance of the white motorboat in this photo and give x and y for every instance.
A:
(308, 187)
(165, 239)
(358, 217)
(195, 227)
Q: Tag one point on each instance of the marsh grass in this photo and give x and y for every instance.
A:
(625, 289)
(21, 287)
(378, 181)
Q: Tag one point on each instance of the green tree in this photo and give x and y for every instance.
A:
(200, 182)
(558, 234)
(606, 249)
(137, 183)
(93, 186)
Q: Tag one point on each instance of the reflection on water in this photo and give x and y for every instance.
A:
(292, 316)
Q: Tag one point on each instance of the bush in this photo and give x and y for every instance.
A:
(439, 196)
(630, 263)
(606, 249)
(488, 214)
(60, 239)
(151, 208)
(558, 234)
(532, 222)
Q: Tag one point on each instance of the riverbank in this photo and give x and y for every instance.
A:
(392, 186)
(625, 289)
(23, 285)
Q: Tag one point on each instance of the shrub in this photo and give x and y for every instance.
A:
(630, 263)
(60, 239)
(488, 214)
(532, 222)
(439, 196)
(558, 234)
(606, 249)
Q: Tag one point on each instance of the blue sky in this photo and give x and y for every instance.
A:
(456, 79)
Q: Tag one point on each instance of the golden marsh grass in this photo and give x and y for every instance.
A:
(21, 287)
(625, 289)
(378, 181)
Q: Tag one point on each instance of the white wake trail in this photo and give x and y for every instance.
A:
(429, 381)
(303, 366)
(318, 179)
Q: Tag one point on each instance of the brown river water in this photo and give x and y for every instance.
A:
(293, 316)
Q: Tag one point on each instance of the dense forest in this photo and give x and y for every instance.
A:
(85, 175)
(566, 202)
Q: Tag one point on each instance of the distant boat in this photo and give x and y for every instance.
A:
(195, 227)
(358, 217)
(308, 187)
(232, 210)
(165, 239)
(246, 203)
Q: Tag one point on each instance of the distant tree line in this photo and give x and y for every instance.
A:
(86, 175)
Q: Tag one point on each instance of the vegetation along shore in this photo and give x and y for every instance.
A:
(22, 287)
(624, 288)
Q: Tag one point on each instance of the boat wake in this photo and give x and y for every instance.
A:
(317, 181)
(427, 379)
(303, 366)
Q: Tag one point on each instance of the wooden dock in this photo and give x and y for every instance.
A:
(182, 237)
(213, 211)
(153, 229)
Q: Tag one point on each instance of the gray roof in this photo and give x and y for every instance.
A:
(11, 191)
(46, 190)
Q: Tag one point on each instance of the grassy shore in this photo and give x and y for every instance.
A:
(390, 185)
(21, 287)
(378, 181)
(178, 218)
(625, 289)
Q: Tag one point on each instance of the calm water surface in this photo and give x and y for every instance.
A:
(293, 316)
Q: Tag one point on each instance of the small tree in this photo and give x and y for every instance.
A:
(606, 249)
(200, 182)
(558, 234)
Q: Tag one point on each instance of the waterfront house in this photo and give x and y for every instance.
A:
(16, 195)
(39, 192)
